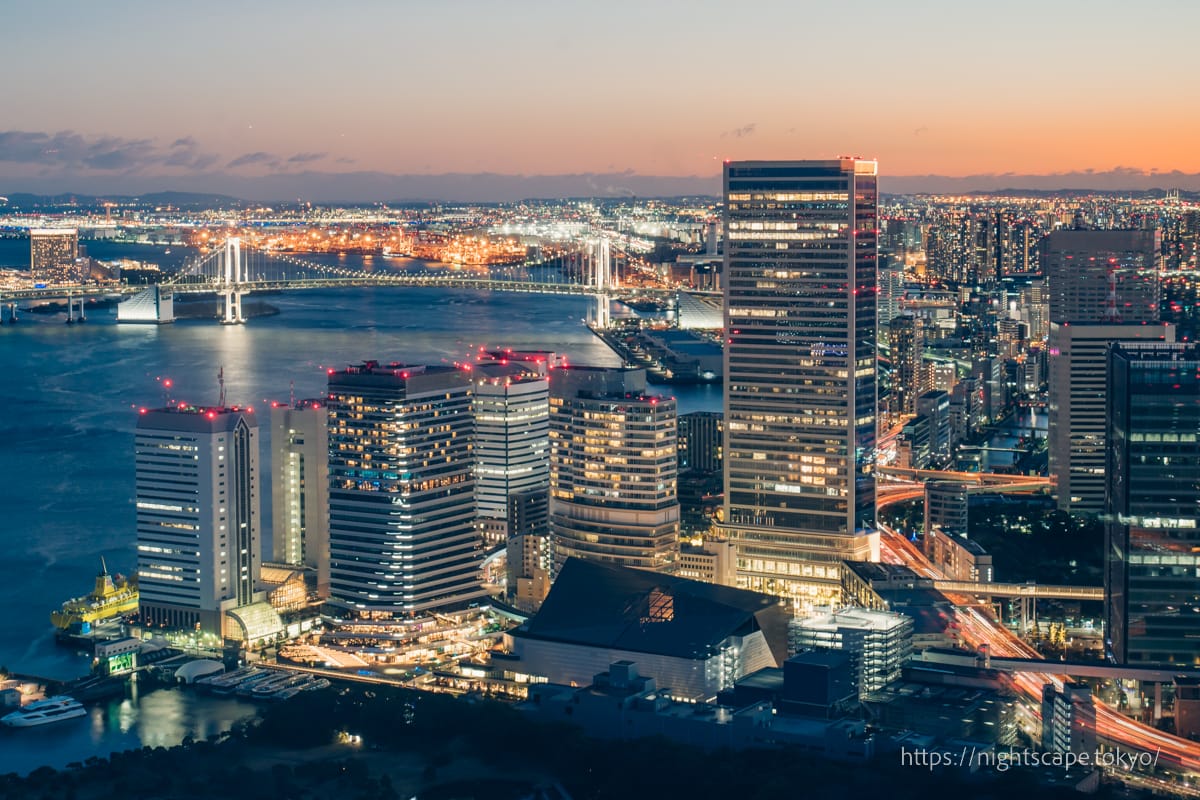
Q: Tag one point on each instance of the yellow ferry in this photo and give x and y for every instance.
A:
(109, 599)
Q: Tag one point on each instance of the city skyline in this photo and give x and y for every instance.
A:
(820, 506)
(620, 100)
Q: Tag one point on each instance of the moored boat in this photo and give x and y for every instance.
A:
(43, 712)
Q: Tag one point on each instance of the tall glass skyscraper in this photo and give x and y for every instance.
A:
(800, 300)
(1152, 554)
(402, 536)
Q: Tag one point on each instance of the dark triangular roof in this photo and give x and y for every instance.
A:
(604, 605)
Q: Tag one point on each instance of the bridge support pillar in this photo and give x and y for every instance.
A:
(233, 307)
(599, 315)
(1025, 616)
(233, 279)
(602, 264)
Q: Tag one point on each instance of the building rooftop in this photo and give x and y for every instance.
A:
(301, 405)
(832, 659)
(500, 373)
(768, 679)
(194, 419)
(971, 546)
(602, 605)
(393, 368)
(871, 572)
(392, 375)
(856, 618)
(946, 696)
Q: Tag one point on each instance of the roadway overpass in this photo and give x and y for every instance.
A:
(1020, 590)
(1075, 669)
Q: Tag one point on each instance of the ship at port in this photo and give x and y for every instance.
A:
(110, 598)
(43, 712)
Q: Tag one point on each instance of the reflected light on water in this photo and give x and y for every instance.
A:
(162, 718)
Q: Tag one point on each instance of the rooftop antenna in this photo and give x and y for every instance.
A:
(221, 383)
(292, 393)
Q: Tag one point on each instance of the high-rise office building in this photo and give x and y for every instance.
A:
(1077, 414)
(198, 537)
(402, 538)
(906, 341)
(700, 441)
(52, 255)
(1036, 309)
(891, 287)
(800, 372)
(1102, 276)
(935, 405)
(511, 404)
(300, 487)
(1182, 242)
(1103, 287)
(1152, 553)
(613, 493)
(528, 547)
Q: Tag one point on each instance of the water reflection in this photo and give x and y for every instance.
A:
(160, 718)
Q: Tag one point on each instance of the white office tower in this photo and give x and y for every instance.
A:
(800, 397)
(300, 488)
(198, 535)
(512, 438)
(613, 469)
(402, 539)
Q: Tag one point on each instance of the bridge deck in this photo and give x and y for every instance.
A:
(1037, 591)
(1072, 668)
(416, 282)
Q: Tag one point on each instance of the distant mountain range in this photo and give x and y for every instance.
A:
(351, 188)
(26, 200)
(207, 190)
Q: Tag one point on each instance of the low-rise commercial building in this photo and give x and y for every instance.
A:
(694, 638)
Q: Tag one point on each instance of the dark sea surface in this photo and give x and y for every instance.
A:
(160, 718)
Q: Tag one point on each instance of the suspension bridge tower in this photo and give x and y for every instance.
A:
(232, 281)
(600, 277)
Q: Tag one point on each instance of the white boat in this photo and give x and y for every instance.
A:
(43, 712)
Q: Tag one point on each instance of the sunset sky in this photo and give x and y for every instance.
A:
(137, 90)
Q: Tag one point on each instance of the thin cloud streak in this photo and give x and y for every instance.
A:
(71, 151)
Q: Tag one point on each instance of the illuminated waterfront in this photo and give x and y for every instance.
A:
(66, 435)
